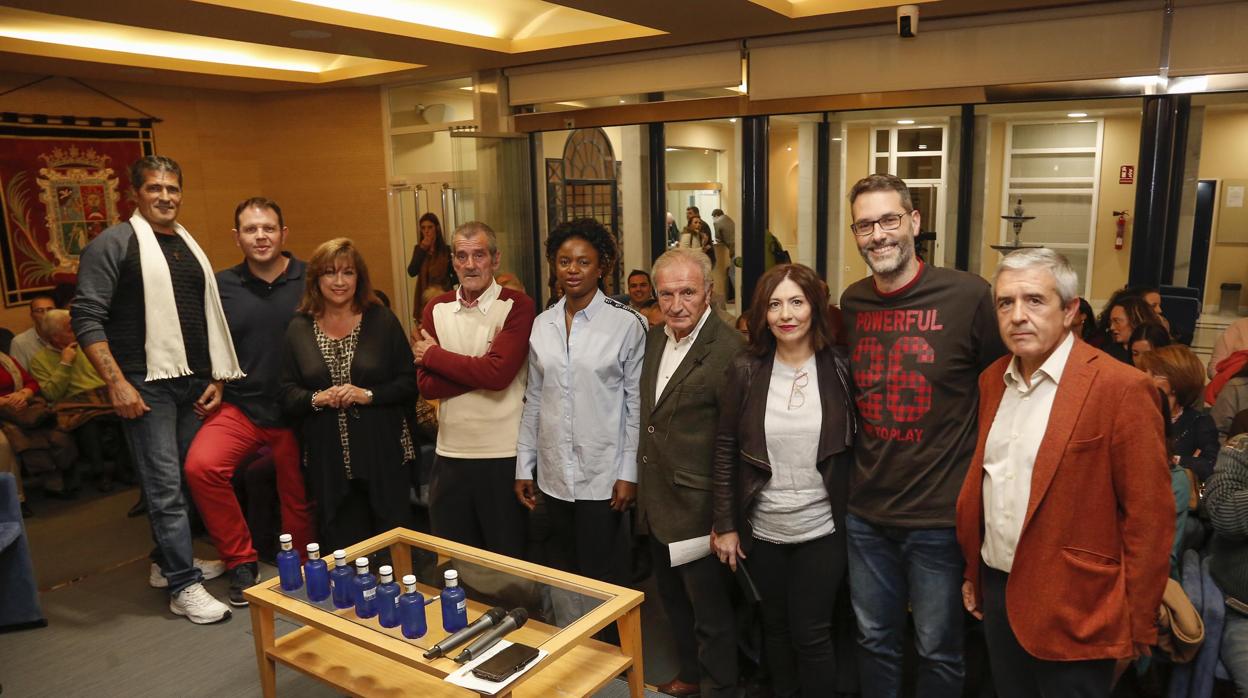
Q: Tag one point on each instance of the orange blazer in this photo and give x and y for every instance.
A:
(1093, 556)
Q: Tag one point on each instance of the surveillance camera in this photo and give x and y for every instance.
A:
(907, 21)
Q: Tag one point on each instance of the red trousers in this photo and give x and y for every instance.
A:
(224, 440)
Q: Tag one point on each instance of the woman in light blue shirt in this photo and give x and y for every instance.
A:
(578, 435)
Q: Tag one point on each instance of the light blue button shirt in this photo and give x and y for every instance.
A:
(581, 406)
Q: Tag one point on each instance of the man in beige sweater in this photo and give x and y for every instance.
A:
(474, 343)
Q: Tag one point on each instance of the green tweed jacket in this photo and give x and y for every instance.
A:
(677, 442)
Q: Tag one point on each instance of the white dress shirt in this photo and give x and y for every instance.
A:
(674, 353)
(582, 407)
(1010, 452)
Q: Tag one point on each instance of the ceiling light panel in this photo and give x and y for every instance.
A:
(55, 36)
(506, 26)
(795, 9)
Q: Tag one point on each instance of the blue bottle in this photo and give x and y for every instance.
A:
(365, 586)
(317, 574)
(387, 599)
(288, 565)
(412, 610)
(340, 581)
(454, 603)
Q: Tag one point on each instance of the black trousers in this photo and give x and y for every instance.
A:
(1017, 674)
(473, 501)
(588, 537)
(697, 598)
(355, 519)
(798, 584)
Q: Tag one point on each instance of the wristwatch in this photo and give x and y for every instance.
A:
(368, 393)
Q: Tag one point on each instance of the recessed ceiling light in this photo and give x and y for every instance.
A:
(789, 147)
(1077, 114)
(732, 120)
(836, 138)
(310, 34)
(905, 122)
(623, 101)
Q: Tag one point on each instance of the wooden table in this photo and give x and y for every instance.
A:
(361, 658)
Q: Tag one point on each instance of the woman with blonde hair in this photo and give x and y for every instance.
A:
(348, 377)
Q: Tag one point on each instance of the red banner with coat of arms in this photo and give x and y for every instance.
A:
(61, 184)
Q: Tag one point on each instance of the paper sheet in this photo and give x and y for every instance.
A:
(1234, 197)
(683, 552)
(463, 675)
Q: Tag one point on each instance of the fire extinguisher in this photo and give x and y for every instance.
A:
(1120, 229)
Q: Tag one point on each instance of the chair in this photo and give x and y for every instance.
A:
(1181, 306)
(19, 596)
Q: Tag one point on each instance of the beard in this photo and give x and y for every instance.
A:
(893, 264)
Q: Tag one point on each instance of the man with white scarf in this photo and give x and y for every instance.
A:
(149, 318)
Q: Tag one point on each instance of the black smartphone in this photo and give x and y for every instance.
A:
(505, 663)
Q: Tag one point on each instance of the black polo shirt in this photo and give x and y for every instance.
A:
(258, 313)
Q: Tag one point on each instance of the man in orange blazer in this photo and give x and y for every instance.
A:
(1066, 516)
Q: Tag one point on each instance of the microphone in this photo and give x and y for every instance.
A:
(487, 620)
(514, 620)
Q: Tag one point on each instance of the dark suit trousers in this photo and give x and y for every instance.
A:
(697, 599)
(473, 501)
(1017, 674)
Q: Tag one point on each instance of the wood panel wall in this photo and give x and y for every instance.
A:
(319, 154)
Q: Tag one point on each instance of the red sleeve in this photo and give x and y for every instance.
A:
(498, 366)
(28, 381)
(433, 385)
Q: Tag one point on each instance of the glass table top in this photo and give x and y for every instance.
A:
(551, 604)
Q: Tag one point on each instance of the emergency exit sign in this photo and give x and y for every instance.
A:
(1126, 174)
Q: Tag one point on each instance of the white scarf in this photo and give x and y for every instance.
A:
(166, 352)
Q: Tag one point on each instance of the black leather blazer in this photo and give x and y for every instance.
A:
(741, 468)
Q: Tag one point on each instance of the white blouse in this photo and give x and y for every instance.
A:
(793, 507)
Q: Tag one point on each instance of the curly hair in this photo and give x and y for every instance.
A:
(591, 231)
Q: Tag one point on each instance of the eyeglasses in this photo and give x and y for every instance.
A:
(887, 223)
(796, 397)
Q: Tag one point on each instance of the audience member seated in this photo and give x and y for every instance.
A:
(9, 464)
(1226, 498)
(1084, 326)
(1151, 295)
(29, 425)
(1147, 337)
(1121, 316)
(28, 343)
(77, 393)
(347, 374)
(1178, 374)
(1233, 339)
(1231, 399)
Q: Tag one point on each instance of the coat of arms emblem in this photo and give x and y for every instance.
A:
(79, 192)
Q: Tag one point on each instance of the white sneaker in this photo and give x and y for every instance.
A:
(211, 569)
(198, 605)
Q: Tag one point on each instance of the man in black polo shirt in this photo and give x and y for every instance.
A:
(259, 296)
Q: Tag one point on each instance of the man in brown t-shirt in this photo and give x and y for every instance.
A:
(918, 338)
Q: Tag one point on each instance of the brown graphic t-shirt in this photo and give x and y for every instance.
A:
(917, 354)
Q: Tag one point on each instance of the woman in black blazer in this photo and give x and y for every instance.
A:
(782, 460)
